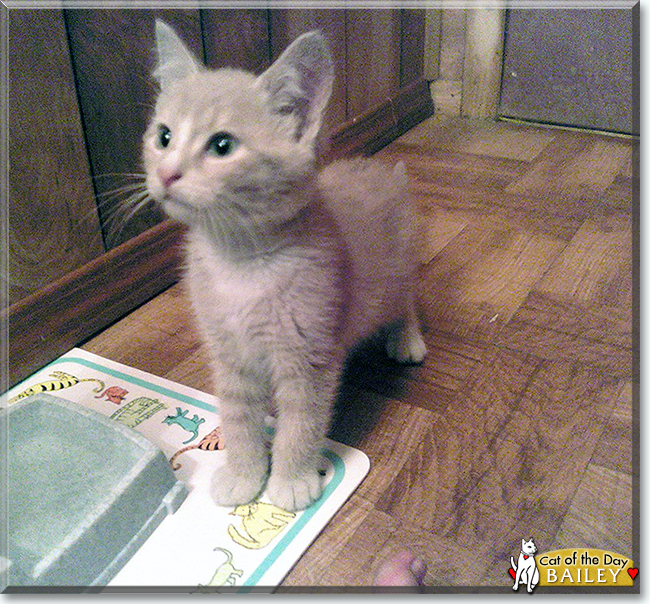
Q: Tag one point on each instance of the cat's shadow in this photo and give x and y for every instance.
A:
(369, 379)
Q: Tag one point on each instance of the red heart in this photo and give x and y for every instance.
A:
(633, 572)
(513, 574)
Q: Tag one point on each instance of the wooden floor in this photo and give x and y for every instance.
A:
(520, 422)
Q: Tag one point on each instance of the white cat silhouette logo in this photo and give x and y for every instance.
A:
(525, 571)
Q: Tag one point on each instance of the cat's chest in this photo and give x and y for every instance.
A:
(234, 290)
(239, 286)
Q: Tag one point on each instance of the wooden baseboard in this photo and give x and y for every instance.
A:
(376, 128)
(63, 314)
(60, 316)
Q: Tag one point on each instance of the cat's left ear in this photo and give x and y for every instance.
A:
(175, 61)
(299, 85)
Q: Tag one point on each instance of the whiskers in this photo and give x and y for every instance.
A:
(239, 232)
(118, 206)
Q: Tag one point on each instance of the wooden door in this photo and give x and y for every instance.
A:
(113, 56)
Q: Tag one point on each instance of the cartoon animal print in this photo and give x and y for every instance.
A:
(260, 524)
(137, 411)
(226, 573)
(115, 394)
(526, 571)
(189, 425)
(210, 442)
(61, 380)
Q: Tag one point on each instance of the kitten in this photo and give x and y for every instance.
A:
(287, 267)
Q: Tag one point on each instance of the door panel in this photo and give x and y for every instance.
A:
(236, 38)
(113, 56)
(373, 57)
(570, 67)
(287, 25)
(53, 225)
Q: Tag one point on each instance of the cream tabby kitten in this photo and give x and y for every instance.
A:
(287, 266)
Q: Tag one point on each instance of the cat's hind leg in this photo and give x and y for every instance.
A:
(237, 537)
(404, 342)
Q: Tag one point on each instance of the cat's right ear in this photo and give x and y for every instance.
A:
(175, 61)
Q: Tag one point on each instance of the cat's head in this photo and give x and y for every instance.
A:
(226, 147)
(246, 509)
(170, 419)
(528, 547)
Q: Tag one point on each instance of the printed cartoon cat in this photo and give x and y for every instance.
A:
(287, 266)
(190, 424)
(61, 380)
(261, 523)
(210, 442)
(526, 571)
(115, 394)
(225, 574)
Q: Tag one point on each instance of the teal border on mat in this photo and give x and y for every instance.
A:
(306, 516)
(339, 473)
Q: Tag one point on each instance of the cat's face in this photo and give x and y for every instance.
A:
(215, 148)
(228, 148)
(528, 547)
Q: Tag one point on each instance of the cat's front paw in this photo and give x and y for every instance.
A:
(293, 494)
(235, 488)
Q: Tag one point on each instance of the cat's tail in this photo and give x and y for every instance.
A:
(412, 231)
(512, 563)
(400, 175)
(194, 434)
(175, 465)
(225, 551)
(96, 388)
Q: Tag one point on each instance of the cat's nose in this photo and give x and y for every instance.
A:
(167, 176)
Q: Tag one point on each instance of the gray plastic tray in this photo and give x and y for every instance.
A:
(84, 492)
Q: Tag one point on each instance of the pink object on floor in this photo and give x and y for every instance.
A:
(403, 569)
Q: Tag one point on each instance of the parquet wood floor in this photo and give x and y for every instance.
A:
(520, 421)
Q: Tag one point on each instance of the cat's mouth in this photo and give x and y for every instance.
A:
(168, 199)
(175, 207)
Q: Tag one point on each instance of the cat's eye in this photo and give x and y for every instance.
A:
(222, 144)
(164, 136)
